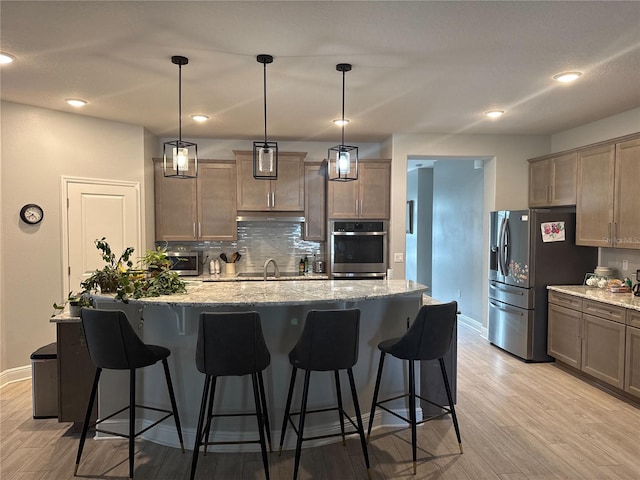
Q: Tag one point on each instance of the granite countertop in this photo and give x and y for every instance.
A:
(294, 292)
(627, 300)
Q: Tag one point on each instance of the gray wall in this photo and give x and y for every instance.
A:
(458, 214)
(419, 243)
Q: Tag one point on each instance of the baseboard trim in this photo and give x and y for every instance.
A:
(473, 324)
(15, 375)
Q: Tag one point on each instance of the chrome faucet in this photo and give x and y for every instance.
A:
(276, 271)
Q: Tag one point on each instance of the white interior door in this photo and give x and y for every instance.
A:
(96, 209)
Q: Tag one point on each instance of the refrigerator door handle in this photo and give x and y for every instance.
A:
(507, 289)
(505, 309)
(503, 250)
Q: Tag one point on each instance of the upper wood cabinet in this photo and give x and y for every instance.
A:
(552, 180)
(606, 210)
(315, 203)
(366, 198)
(284, 194)
(202, 208)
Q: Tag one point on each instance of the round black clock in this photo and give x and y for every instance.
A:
(31, 214)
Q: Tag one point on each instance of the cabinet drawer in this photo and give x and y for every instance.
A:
(604, 310)
(633, 318)
(565, 300)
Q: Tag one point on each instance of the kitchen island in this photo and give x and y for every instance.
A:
(172, 321)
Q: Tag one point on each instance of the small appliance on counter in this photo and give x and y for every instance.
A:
(186, 263)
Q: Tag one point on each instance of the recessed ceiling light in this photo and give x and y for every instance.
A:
(339, 122)
(200, 118)
(494, 113)
(76, 102)
(567, 77)
(6, 58)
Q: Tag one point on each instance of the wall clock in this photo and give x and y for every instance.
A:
(31, 214)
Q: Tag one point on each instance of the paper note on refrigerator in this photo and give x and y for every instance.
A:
(552, 231)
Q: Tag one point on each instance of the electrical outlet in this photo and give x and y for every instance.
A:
(398, 257)
(625, 265)
(459, 293)
(294, 321)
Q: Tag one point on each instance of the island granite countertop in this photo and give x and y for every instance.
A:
(627, 300)
(294, 292)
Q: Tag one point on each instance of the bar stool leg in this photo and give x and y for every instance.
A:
(340, 409)
(265, 411)
(87, 418)
(207, 428)
(203, 407)
(263, 445)
(412, 412)
(132, 417)
(287, 407)
(303, 413)
(447, 387)
(172, 397)
(356, 406)
(376, 390)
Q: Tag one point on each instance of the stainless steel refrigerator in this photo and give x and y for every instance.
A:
(531, 249)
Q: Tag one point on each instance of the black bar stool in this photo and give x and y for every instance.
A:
(231, 344)
(428, 338)
(329, 342)
(113, 345)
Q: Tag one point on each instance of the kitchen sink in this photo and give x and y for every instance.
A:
(270, 275)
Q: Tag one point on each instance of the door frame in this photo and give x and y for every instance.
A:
(65, 181)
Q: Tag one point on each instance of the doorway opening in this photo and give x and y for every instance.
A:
(444, 247)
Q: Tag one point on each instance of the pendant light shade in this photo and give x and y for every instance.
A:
(265, 154)
(180, 159)
(343, 159)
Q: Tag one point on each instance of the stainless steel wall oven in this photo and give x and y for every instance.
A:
(358, 249)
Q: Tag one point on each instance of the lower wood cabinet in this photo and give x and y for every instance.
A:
(564, 341)
(603, 349)
(597, 338)
(632, 362)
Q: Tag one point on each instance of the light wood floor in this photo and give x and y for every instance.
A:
(518, 422)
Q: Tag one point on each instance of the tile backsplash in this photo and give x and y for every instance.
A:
(615, 258)
(259, 241)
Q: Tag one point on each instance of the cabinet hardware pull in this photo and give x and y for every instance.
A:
(273, 199)
(194, 229)
(199, 230)
(268, 199)
(610, 239)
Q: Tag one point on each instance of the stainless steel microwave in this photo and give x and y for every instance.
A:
(186, 263)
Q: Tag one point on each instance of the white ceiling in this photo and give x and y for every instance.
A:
(418, 67)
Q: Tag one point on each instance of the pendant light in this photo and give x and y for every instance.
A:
(343, 159)
(180, 154)
(265, 154)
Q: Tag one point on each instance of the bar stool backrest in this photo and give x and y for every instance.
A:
(112, 342)
(231, 344)
(329, 340)
(429, 337)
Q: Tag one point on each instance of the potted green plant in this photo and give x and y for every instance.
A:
(152, 278)
(76, 301)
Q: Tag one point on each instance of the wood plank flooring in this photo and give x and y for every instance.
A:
(518, 422)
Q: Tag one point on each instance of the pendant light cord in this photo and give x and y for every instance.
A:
(343, 81)
(265, 103)
(180, 105)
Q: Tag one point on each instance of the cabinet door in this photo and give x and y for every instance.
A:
(253, 195)
(539, 182)
(175, 207)
(603, 345)
(315, 181)
(594, 209)
(342, 199)
(75, 373)
(374, 190)
(562, 177)
(632, 362)
(563, 335)
(626, 203)
(217, 201)
(288, 189)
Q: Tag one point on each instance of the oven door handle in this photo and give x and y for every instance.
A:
(357, 234)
